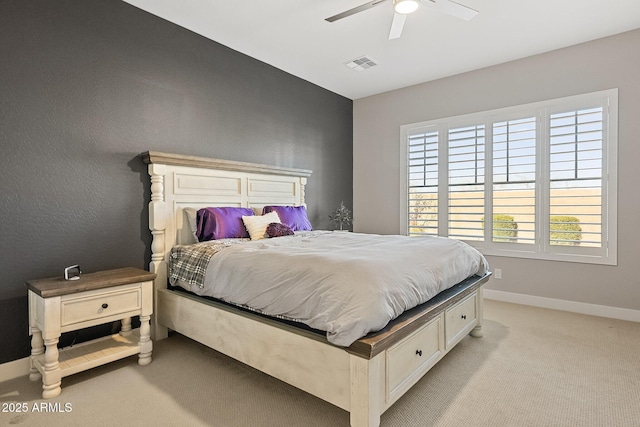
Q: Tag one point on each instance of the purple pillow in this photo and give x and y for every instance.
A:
(275, 229)
(221, 223)
(293, 216)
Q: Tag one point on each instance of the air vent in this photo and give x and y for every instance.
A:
(361, 64)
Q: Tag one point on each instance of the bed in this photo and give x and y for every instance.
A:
(364, 377)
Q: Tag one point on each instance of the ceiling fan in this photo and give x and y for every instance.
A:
(404, 7)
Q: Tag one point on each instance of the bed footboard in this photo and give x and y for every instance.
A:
(364, 379)
(297, 357)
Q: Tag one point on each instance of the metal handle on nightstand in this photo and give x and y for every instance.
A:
(464, 316)
(419, 352)
(105, 305)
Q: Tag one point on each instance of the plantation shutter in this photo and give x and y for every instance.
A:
(423, 183)
(514, 181)
(466, 153)
(532, 181)
(576, 174)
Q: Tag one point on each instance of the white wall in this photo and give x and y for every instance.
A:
(612, 62)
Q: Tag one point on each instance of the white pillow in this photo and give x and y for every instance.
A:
(257, 225)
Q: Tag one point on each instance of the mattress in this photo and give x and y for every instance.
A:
(346, 284)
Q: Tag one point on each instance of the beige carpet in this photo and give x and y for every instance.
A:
(534, 367)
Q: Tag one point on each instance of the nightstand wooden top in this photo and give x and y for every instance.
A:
(57, 286)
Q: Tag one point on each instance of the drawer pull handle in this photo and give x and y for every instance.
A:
(464, 316)
(105, 305)
(419, 352)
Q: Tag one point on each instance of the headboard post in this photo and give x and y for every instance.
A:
(303, 182)
(157, 225)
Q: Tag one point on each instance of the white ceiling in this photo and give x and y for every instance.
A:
(293, 35)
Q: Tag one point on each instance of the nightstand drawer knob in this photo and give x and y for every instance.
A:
(105, 305)
(419, 352)
(464, 316)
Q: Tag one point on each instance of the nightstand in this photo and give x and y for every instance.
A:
(57, 305)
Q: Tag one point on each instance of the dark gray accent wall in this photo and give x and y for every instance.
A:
(85, 87)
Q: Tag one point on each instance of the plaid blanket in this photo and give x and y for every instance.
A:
(189, 263)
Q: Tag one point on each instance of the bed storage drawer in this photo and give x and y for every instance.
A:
(412, 357)
(460, 319)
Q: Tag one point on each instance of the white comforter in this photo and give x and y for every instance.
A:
(347, 284)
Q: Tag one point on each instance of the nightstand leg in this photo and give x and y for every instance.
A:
(52, 376)
(125, 329)
(37, 349)
(146, 345)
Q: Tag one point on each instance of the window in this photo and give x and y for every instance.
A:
(536, 180)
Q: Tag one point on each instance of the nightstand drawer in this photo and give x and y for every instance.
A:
(99, 306)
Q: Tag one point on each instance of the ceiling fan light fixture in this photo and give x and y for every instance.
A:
(405, 7)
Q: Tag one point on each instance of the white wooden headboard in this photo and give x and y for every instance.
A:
(179, 181)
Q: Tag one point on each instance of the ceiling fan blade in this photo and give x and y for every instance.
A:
(355, 10)
(452, 8)
(397, 25)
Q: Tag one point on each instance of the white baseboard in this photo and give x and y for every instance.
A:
(564, 305)
(14, 369)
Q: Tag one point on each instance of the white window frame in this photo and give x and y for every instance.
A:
(541, 249)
